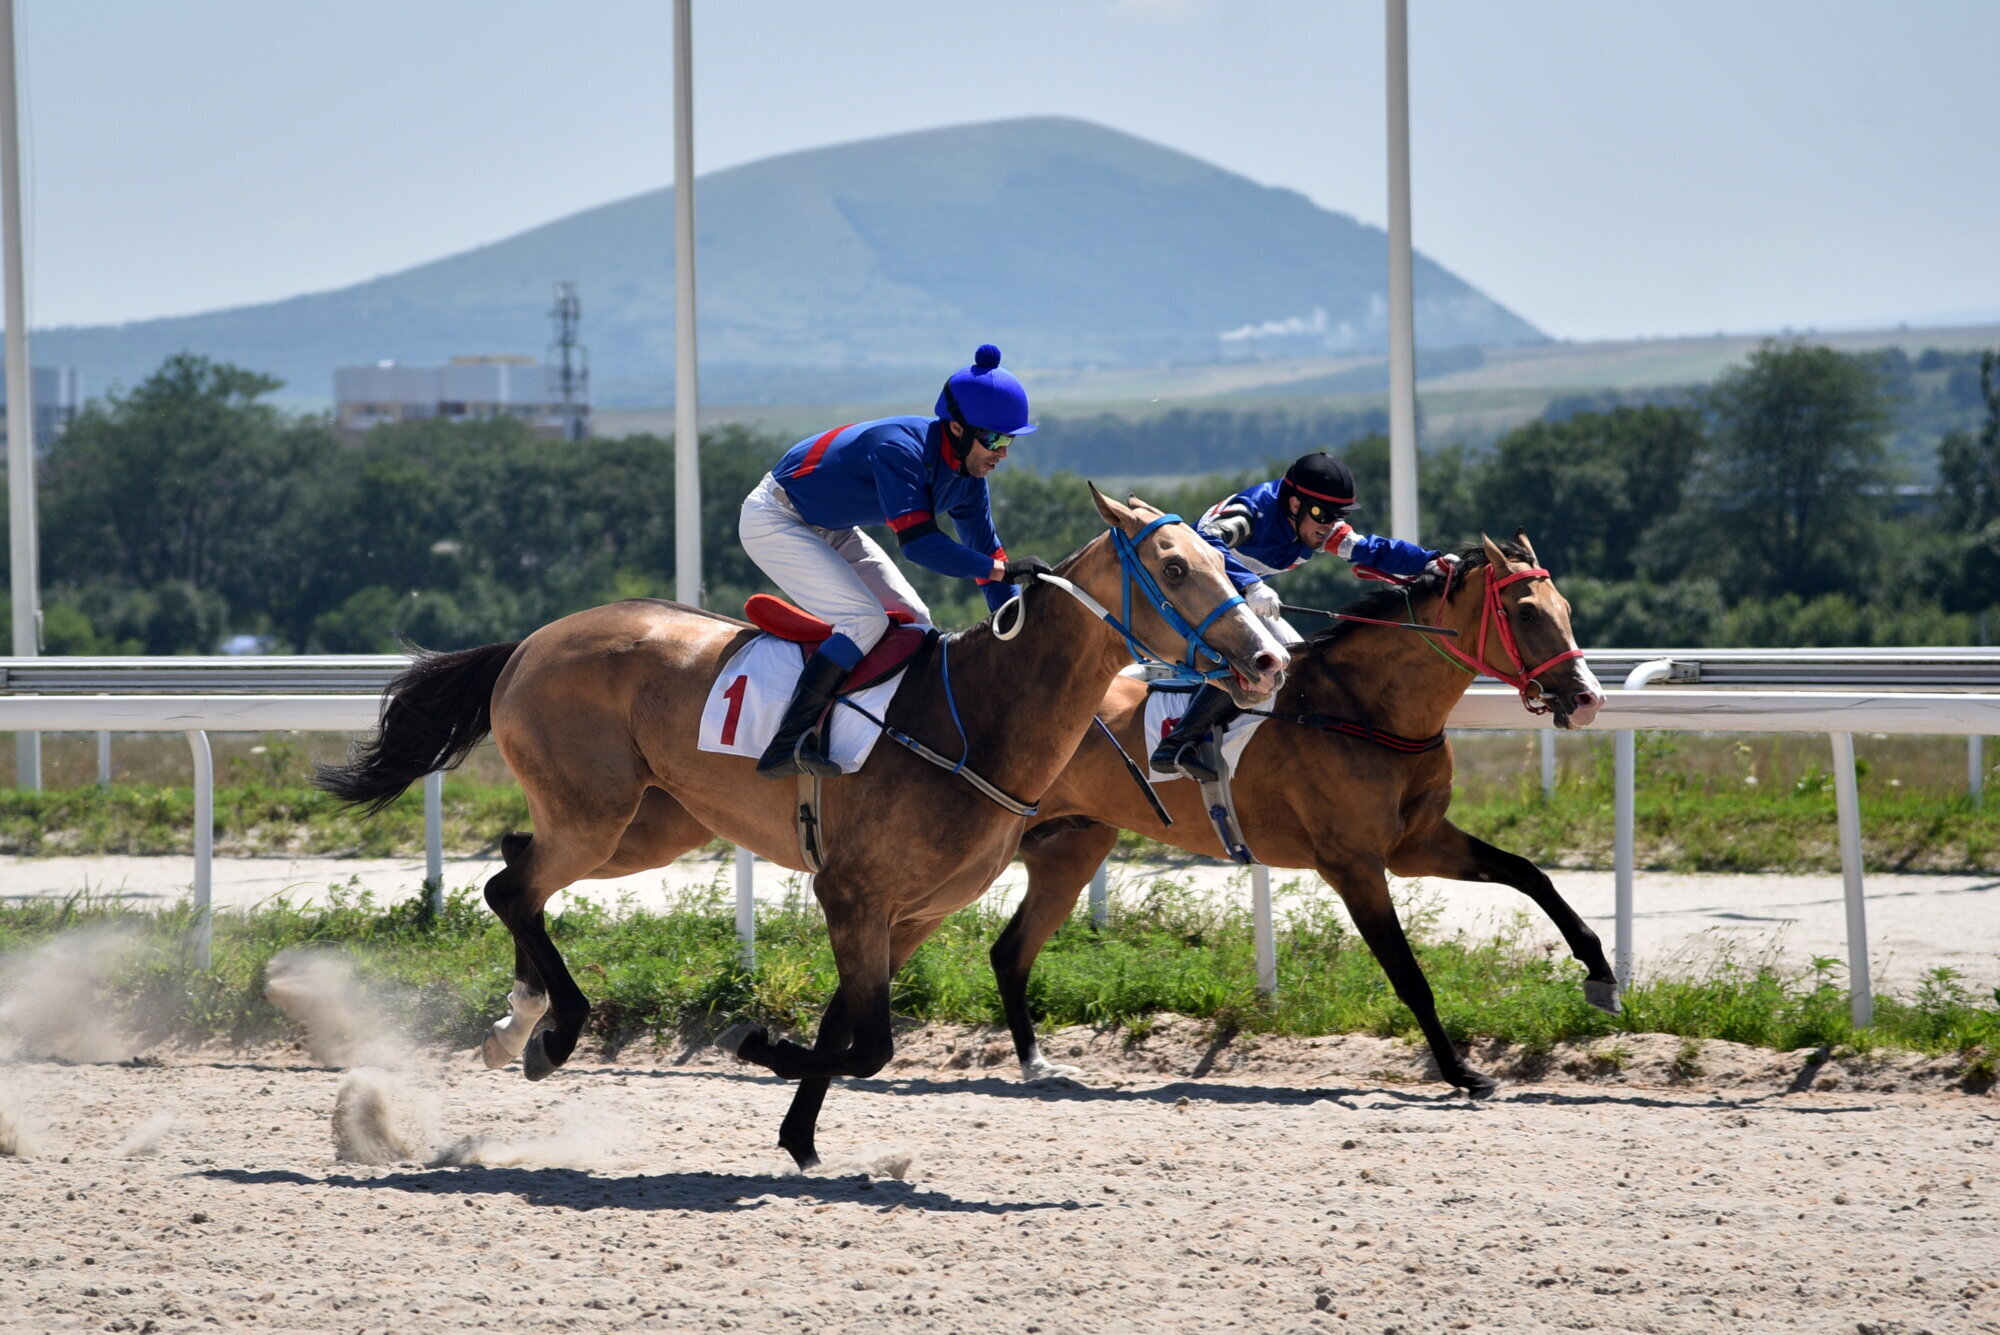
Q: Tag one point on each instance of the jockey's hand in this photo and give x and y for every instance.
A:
(1023, 569)
(1262, 600)
(1443, 563)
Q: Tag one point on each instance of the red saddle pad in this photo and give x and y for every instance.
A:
(775, 616)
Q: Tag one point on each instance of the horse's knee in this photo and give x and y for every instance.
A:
(513, 844)
(869, 1055)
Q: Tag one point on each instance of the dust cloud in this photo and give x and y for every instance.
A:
(53, 999)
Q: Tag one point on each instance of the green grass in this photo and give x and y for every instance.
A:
(1166, 950)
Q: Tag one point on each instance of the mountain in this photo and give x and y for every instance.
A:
(863, 271)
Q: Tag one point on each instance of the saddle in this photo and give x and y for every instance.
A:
(792, 623)
(788, 621)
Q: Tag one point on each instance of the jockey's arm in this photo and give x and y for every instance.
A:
(1225, 527)
(1392, 556)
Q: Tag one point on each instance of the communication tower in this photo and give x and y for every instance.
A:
(571, 363)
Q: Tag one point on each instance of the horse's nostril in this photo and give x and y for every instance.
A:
(1269, 662)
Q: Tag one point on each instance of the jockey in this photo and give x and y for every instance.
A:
(801, 526)
(1264, 530)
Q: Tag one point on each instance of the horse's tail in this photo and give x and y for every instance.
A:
(433, 714)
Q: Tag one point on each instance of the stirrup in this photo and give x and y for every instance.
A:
(808, 757)
(1198, 760)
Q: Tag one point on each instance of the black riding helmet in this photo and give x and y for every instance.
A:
(1324, 486)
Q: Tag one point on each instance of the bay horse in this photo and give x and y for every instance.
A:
(597, 716)
(1312, 790)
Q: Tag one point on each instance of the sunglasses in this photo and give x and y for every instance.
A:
(1321, 513)
(996, 441)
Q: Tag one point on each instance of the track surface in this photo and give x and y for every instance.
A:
(1312, 1185)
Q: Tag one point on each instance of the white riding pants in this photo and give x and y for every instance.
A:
(838, 574)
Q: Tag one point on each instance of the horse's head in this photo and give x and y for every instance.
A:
(1535, 628)
(1191, 577)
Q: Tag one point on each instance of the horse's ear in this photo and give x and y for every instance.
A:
(1494, 556)
(1521, 536)
(1116, 515)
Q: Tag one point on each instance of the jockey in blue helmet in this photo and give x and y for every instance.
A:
(1266, 530)
(801, 525)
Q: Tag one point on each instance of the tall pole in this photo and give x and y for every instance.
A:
(23, 549)
(687, 431)
(1402, 313)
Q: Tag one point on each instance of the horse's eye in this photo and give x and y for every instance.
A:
(1527, 611)
(1175, 571)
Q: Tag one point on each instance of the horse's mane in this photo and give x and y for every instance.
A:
(1384, 603)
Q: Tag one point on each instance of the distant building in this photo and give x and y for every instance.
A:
(56, 395)
(467, 388)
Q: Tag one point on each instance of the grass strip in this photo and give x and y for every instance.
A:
(1684, 823)
(1167, 950)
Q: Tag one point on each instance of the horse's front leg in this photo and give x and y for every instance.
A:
(796, 1135)
(1365, 890)
(1450, 852)
(861, 952)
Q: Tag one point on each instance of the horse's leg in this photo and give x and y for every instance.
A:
(546, 1009)
(1450, 852)
(861, 943)
(1060, 863)
(1365, 890)
(802, 1118)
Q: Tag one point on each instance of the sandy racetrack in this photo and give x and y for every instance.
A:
(1260, 1185)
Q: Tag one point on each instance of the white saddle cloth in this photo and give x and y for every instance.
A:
(1164, 709)
(747, 703)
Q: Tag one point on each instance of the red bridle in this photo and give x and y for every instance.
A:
(1493, 618)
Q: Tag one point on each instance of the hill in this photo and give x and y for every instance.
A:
(861, 270)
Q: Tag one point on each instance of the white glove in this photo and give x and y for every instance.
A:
(1262, 600)
(1444, 563)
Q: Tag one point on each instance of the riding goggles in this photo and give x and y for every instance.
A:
(996, 441)
(1323, 512)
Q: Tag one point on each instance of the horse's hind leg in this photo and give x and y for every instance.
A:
(1450, 852)
(546, 1009)
(1365, 891)
(1061, 857)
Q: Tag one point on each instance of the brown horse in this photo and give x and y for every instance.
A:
(1313, 792)
(597, 715)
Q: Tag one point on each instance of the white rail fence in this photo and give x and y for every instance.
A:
(1839, 714)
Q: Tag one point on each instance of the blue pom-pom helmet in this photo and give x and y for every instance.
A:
(984, 396)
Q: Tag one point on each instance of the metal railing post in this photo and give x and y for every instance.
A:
(204, 846)
(103, 760)
(434, 839)
(1100, 896)
(1847, 807)
(746, 905)
(1548, 740)
(1624, 837)
(1267, 940)
(1975, 769)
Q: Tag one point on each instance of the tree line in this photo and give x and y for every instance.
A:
(1765, 510)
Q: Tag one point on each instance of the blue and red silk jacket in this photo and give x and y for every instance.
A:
(898, 471)
(1257, 539)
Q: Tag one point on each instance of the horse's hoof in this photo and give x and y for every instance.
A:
(494, 1053)
(805, 1156)
(1478, 1085)
(732, 1039)
(1049, 1072)
(536, 1061)
(1603, 995)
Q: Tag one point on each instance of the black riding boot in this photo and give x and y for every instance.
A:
(818, 681)
(1189, 748)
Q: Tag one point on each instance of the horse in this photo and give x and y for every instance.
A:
(597, 714)
(1351, 777)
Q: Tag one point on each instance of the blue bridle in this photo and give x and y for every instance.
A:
(1136, 573)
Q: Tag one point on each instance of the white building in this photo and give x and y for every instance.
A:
(55, 393)
(466, 388)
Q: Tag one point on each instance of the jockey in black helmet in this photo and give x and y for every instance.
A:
(1266, 530)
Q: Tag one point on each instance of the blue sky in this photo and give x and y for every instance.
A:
(1607, 170)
